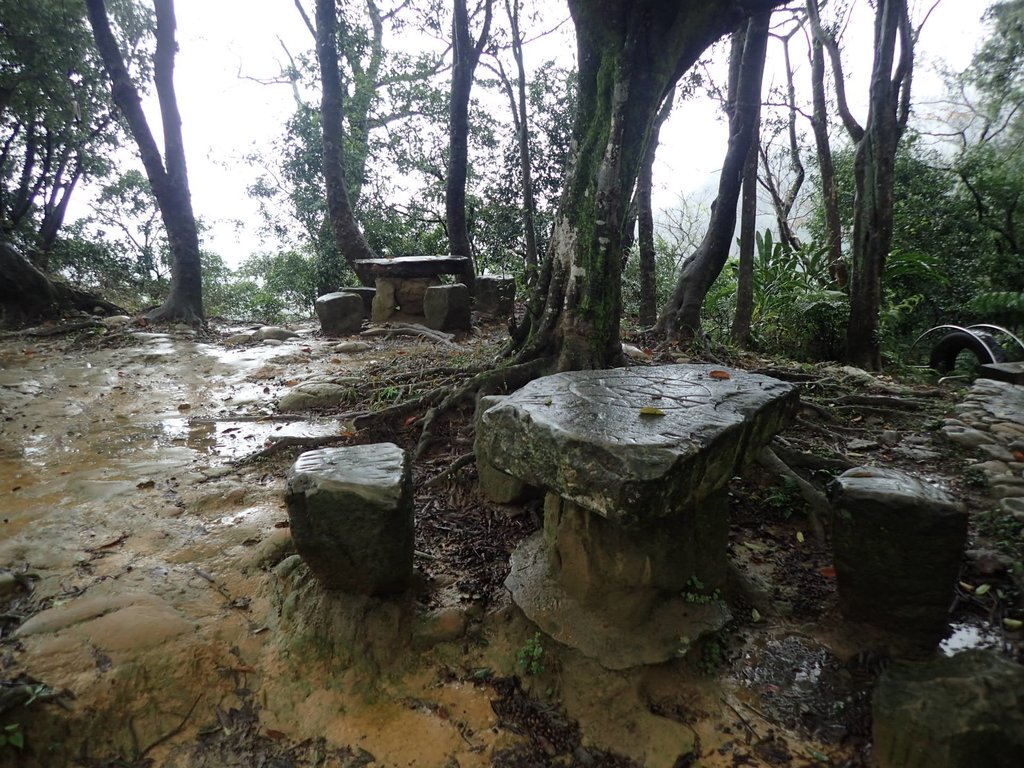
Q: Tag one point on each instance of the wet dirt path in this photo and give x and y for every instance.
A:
(158, 608)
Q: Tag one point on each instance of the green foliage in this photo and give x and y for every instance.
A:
(530, 656)
(696, 592)
(58, 124)
(12, 735)
(784, 497)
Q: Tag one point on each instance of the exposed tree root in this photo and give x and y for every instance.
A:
(812, 461)
(881, 401)
(486, 382)
(410, 329)
(463, 460)
(817, 503)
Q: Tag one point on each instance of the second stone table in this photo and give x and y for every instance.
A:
(635, 463)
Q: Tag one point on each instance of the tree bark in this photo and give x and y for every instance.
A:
(826, 167)
(465, 56)
(630, 52)
(748, 226)
(645, 220)
(523, 136)
(167, 175)
(347, 236)
(681, 317)
(874, 168)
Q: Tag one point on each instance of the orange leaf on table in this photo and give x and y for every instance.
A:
(720, 375)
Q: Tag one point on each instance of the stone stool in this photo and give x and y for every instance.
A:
(366, 294)
(351, 515)
(446, 307)
(635, 463)
(898, 544)
(340, 314)
(495, 296)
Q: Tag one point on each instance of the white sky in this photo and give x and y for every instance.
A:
(226, 116)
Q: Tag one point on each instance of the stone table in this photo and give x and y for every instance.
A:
(635, 462)
(402, 281)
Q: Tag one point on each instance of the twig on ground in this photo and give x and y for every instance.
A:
(459, 463)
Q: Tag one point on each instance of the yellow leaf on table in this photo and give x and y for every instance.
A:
(650, 410)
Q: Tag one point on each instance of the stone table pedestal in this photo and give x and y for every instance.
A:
(635, 462)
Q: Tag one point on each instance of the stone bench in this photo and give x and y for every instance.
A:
(351, 513)
(401, 282)
(635, 463)
(495, 296)
(446, 307)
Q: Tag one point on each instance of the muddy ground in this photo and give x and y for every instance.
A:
(151, 614)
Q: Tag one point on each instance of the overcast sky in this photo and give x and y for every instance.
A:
(223, 43)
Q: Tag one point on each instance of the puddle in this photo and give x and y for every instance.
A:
(797, 681)
(965, 637)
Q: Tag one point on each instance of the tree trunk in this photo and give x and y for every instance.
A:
(465, 55)
(168, 176)
(523, 136)
(874, 172)
(826, 168)
(348, 238)
(645, 220)
(681, 317)
(630, 54)
(27, 295)
(748, 226)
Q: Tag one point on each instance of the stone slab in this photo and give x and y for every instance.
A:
(668, 631)
(446, 307)
(1011, 373)
(340, 314)
(413, 266)
(636, 444)
(495, 296)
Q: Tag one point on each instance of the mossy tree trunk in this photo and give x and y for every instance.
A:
(645, 220)
(874, 165)
(630, 54)
(167, 175)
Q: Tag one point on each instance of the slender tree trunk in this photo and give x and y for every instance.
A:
(874, 167)
(465, 56)
(347, 236)
(167, 175)
(631, 52)
(826, 168)
(681, 317)
(748, 226)
(645, 220)
(523, 137)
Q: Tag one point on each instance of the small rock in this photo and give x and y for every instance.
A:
(352, 347)
(997, 452)
(441, 626)
(272, 342)
(1008, 491)
(313, 394)
(1015, 506)
(116, 321)
(8, 585)
(966, 436)
(991, 468)
(634, 353)
(861, 445)
(275, 332)
(987, 562)
(889, 437)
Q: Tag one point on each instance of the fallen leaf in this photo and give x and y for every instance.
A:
(983, 589)
(650, 410)
(1013, 623)
(966, 587)
(800, 536)
(276, 735)
(720, 375)
(829, 571)
(755, 615)
(1018, 455)
(410, 420)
